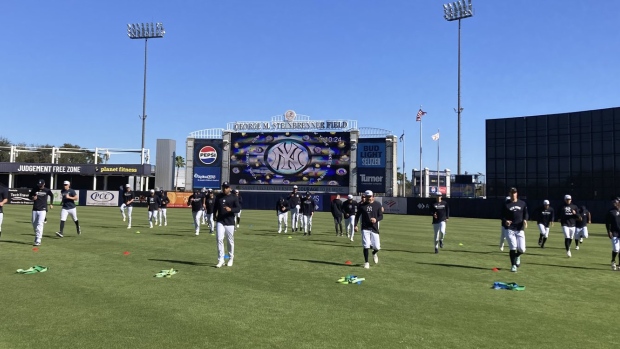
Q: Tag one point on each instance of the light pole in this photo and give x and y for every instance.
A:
(145, 31)
(452, 12)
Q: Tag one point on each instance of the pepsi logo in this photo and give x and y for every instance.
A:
(207, 155)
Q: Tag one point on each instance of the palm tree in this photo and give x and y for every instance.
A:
(179, 162)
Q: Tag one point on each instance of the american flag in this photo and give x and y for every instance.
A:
(436, 136)
(419, 116)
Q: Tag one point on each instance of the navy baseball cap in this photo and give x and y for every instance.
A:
(225, 185)
(41, 182)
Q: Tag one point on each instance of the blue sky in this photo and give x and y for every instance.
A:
(70, 73)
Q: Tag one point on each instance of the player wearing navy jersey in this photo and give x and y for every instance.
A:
(238, 214)
(39, 197)
(307, 211)
(282, 208)
(4, 198)
(349, 209)
(203, 216)
(153, 202)
(581, 226)
(545, 215)
(440, 210)
(209, 202)
(370, 213)
(503, 236)
(127, 204)
(225, 208)
(164, 200)
(612, 226)
(294, 200)
(336, 210)
(568, 219)
(68, 208)
(197, 202)
(514, 218)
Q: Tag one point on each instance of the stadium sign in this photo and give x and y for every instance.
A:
(79, 169)
(291, 125)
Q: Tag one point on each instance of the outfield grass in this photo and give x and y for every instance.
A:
(282, 293)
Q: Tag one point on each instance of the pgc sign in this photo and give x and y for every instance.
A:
(101, 198)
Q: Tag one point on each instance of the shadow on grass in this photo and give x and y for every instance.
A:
(15, 242)
(323, 262)
(454, 266)
(169, 234)
(179, 262)
(564, 266)
(318, 242)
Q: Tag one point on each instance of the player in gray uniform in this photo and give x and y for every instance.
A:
(68, 208)
(4, 198)
(370, 213)
(39, 197)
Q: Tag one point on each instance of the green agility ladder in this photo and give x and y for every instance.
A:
(32, 270)
(166, 273)
(507, 286)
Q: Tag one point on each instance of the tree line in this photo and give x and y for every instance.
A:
(42, 153)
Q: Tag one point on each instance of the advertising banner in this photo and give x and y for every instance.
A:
(394, 205)
(58, 197)
(207, 177)
(371, 153)
(101, 198)
(309, 159)
(207, 153)
(371, 179)
(178, 199)
(81, 169)
(19, 196)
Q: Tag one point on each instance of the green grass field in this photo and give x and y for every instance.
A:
(282, 293)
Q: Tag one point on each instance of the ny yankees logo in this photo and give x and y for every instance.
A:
(288, 157)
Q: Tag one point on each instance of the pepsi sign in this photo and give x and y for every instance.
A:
(208, 153)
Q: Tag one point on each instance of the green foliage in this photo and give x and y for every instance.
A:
(283, 293)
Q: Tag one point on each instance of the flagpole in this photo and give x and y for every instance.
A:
(404, 172)
(438, 139)
(421, 154)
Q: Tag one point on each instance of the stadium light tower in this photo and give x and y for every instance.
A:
(145, 31)
(452, 12)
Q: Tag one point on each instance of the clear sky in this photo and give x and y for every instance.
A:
(70, 73)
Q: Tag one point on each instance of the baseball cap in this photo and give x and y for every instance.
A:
(438, 193)
(513, 190)
(567, 197)
(546, 202)
(66, 183)
(127, 185)
(294, 187)
(349, 196)
(225, 185)
(236, 190)
(152, 190)
(368, 193)
(209, 190)
(41, 182)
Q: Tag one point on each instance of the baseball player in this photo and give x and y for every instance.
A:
(282, 208)
(349, 208)
(503, 236)
(568, 218)
(581, 226)
(514, 218)
(441, 213)
(164, 200)
(294, 201)
(225, 208)
(307, 211)
(68, 208)
(336, 210)
(127, 204)
(4, 198)
(209, 202)
(370, 213)
(153, 203)
(238, 214)
(612, 225)
(203, 216)
(545, 215)
(39, 197)
(197, 203)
